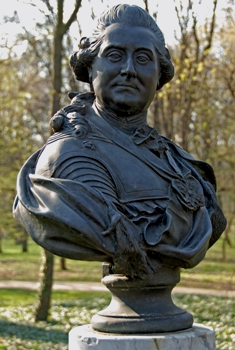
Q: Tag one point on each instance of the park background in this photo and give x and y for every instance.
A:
(196, 110)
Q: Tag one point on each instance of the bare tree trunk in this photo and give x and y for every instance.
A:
(25, 245)
(46, 281)
(57, 58)
(63, 264)
(60, 30)
(46, 278)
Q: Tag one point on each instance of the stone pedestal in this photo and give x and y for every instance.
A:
(142, 306)
(198, 337)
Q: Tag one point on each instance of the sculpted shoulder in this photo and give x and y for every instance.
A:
(56, 151)
(72, 140)
(71, 134)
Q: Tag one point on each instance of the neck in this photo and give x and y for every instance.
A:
(126, 123)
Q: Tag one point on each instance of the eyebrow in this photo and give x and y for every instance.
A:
(120, 47)
(113, 46)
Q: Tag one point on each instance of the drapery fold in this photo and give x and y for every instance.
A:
(118, 216)
(75, 221)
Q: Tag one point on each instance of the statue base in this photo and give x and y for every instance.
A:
(142, 306)
(198, 337)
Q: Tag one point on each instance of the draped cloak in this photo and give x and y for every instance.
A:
(136, 200)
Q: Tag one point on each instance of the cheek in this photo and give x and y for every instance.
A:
(102, 80)
(97, 80)
(149, 76)
(153, 80)
(100, 86)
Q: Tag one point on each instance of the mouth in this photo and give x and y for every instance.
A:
(129, 86)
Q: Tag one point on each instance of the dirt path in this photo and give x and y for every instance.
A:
(98, 287)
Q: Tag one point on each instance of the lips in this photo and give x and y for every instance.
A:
(127, 86)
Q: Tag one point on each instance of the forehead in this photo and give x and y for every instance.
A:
(126, 36)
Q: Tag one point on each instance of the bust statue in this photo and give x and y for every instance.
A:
(106, 186)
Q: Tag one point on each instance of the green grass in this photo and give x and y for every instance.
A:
(22, 297)
(212, 272)
(13, 266)
(73, 308)
(70, 309)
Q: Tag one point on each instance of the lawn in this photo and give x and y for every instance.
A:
(72, 308)
(13, 267)
(69, 309)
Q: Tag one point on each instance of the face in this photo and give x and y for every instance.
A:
(125, 72)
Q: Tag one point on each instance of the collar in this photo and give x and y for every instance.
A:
(126, 124)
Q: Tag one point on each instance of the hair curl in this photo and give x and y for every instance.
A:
(125, 14)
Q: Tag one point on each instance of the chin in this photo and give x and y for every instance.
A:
(123, 109)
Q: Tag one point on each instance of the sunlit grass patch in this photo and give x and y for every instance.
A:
(70, 309)
(212, 272)
(18, 331)
(216, 312)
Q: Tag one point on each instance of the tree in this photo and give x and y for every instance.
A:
(60, 30)
(196, 108)
(225, 85)
(46, 281)
(174, 104)
(20, 128)
(28, 99)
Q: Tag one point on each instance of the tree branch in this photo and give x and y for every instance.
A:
(48, 5)
(146, 6)
(212, 27)
(196, 36)
(60, 10)
(73, 15)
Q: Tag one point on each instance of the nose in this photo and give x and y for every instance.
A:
(128, 67)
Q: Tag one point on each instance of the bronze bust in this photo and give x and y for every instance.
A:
(106, 186)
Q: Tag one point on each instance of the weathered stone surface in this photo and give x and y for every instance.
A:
(198, 337)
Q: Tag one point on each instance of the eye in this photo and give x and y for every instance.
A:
(114, 56)
(142, 58)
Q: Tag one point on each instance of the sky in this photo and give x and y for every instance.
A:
(28, 14)
(166, 17)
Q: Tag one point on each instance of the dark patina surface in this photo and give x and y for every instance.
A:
(107, 187)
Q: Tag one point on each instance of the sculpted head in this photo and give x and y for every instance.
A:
(125, 59)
